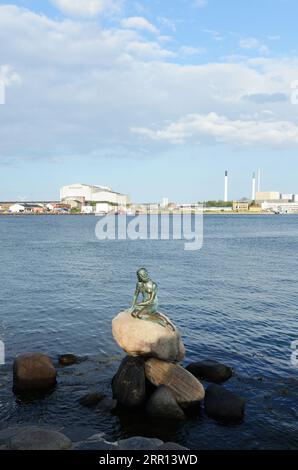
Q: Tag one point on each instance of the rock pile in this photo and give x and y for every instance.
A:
(150, 376)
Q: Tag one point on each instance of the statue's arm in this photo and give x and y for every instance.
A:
(136, 295)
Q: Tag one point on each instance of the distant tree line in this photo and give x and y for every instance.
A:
(218, 204)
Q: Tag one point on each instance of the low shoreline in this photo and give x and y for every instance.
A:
(151, 213)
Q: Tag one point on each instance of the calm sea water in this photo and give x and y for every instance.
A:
(235, 300)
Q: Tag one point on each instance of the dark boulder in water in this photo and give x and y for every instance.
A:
(128, 384)
(33, 372)
(209, 370)
(162, 404)
(223, 405)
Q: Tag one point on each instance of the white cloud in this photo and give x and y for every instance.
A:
(223, 129)
(189, 50)
(85, 8)
(145, 50)
(253, 43)
(8, 76)
(138, 22)
(215, 34)
(200, 3)
(167, 23)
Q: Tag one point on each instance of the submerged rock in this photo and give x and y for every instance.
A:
(209, 370)
(187, 390)
(172, 446)
(95, 445)
(162, 404)
(139, 443)
(107, 404)
(68, 359)
(147, 338)
(34, 438)
(223, 405)
(91, 399)
(33, 372)
(95, 442)
(128, 384)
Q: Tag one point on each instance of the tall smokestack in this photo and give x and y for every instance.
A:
(226, 187)
(253, 189)
(259, 180)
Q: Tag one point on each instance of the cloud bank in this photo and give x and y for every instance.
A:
(78, 88)
(85, 8)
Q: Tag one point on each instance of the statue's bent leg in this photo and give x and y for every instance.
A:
(138, 312)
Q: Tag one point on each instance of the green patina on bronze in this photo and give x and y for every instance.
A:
(147, 308)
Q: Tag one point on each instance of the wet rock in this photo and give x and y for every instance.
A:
(68, 359)
(128, 384)
(162, 404)
(7, 433)
(187, 390)
(209, 370)
(146, 338)
(139, 443)
(95, 442)
(33, 372)
(223, 405)
(172, 446)
(91, 399)
(87, 445)
(34, 438)
(107, 404)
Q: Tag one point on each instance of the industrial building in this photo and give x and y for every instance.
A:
(25, 207)
(280, 207)
(262, 196)
(95, 194)
(239, 206)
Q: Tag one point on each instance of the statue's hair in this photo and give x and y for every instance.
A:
(144, 270)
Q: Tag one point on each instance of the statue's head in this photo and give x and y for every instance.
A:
(142, 274)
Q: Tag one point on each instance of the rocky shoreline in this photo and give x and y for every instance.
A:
(30, 437)
(150, 380)
(133, 393)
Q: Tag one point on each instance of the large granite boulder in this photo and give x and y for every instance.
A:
(209, 370)
(223, 405)
(128, 384)
(162, 404)
(187, 390)
(33, 372)
(146, 338)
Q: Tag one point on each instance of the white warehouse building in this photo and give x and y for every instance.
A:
(92, 193)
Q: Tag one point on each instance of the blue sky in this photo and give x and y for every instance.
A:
(153, 98)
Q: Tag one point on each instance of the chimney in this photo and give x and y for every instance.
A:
(259, 180)
(253, 190)
(226, 187)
